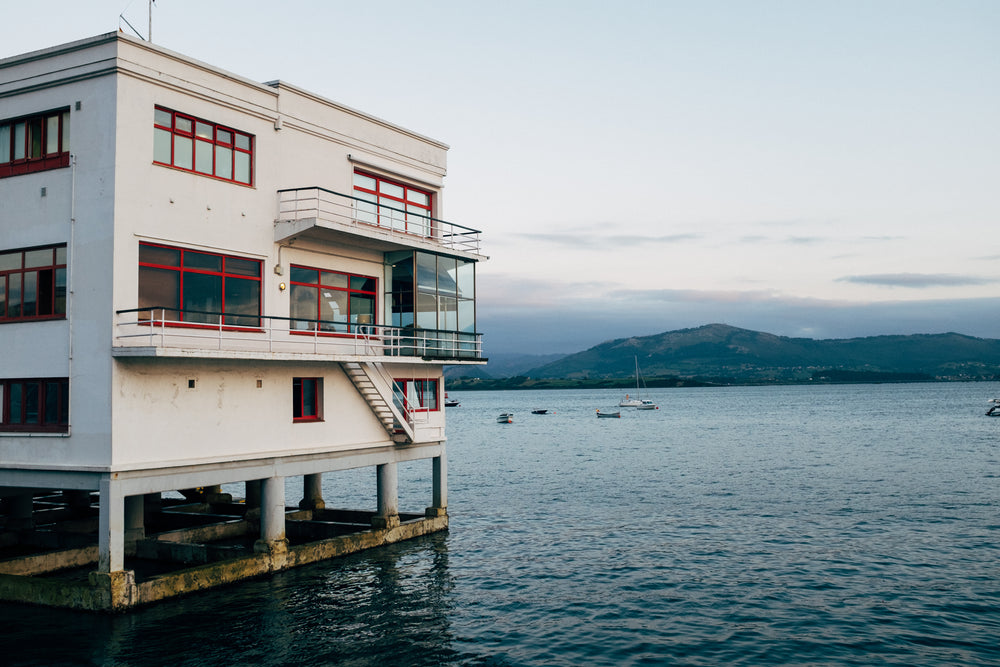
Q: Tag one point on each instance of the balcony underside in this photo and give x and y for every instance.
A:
(153, 351)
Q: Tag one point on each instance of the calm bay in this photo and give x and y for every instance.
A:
(819, 525)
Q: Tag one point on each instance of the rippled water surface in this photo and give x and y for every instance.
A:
(829, 525)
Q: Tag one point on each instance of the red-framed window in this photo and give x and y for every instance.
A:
(307, 399)
(203, 147)
(33, 284)
(34, 405)
(198, 287)
(418, 394)
(387, 203)
(34, 143)
(337, 302)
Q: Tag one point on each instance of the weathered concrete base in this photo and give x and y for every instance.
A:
(216, 565)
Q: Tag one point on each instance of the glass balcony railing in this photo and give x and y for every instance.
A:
(366, 217)
(230, 335)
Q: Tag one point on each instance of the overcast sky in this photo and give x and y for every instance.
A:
(822, 169)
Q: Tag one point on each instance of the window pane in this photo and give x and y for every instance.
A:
(448, 313)
(3, 302)
(20, 142)
(363, 283)
(183, 152)
(203, 130)
(52, 396)
(202, 298)
(36, 258)
(61, 255)
(59, 305)
(447, 268)
(203, 157)
(303, 306)
(242, 302)
(16, 402)
(365, 212)
(333, 308)
(29, 294)
(242, 141)
(161, 146)
(467, 315)
(14, 295)
(242, 168)
(300, 274)
(332, 279)
(162, 117)
(203, 261)
(391, 190)
(45, 291)
(467, 279)
(224, 137)
(242, 267)
(65, 131)
(35, 137)
(159, 288)
(4, 143)
(362, 181)
(10, 261)
(362, 309)
(418, 197)
(151, 254)
(64, 402)
(183, 124)
(426, 271)
(426, 311)
(308, 397)
(52, 135)
(224, 162)
(31, 402)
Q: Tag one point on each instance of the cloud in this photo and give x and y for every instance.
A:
(598, 242)
(917, 280)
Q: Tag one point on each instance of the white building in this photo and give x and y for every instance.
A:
(206, 280)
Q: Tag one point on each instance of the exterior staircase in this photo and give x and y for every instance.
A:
(377, 387)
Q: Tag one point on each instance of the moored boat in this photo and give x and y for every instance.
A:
(539, 412)
(994, 410)
(505, 418)
(603, 414)
(638, 402)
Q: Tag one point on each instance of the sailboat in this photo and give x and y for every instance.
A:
(637, 402)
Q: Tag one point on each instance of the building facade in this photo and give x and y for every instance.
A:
(206, 280)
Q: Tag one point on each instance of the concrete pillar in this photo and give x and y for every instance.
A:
(272, 516)
(22, 512)
(111, 528)
(135, 524)
(439, 474)
(387, 515)
(312, 493)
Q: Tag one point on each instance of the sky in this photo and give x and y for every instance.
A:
(804, 168)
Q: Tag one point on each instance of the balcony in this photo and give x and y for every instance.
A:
(330, 216)
(165, 332)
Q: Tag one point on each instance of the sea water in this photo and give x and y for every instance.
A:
(803, 525)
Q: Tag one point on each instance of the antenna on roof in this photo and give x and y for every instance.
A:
(151, 3)
(121, 17)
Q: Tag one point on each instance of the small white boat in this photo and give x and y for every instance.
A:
(637, 402)
(605, 414)
(994, 410)
(505, 418)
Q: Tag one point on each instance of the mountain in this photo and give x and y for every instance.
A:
(725, 353)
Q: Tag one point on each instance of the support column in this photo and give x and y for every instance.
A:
(439, 500)
(312, 493)
(272, 516)
(252, 499)
(111, 528)
(387, 515)
(135, 525)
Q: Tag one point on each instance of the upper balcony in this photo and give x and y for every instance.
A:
(329, 216)
(164, 332)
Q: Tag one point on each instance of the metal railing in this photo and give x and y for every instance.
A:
(163, 327)
(361, 214)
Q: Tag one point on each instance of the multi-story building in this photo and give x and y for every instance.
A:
(206, 280)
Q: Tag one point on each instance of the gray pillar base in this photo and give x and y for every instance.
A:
(432, 512)
(385, 522)
(117, 589)
(270, 547)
